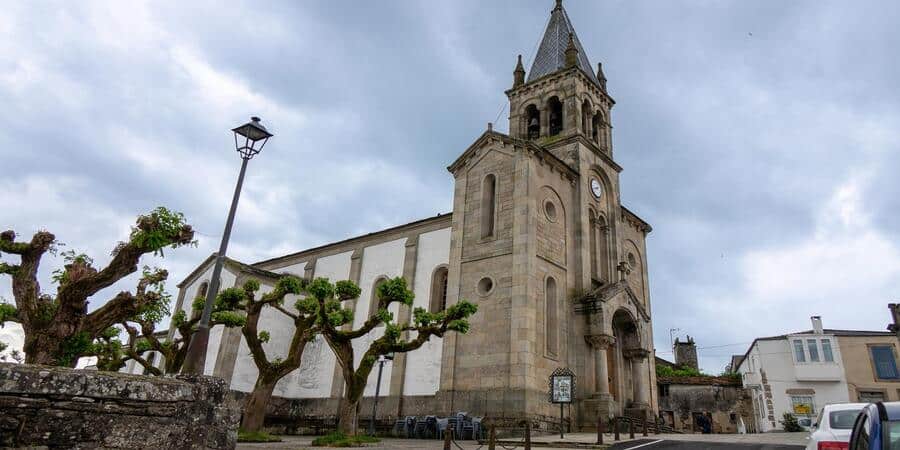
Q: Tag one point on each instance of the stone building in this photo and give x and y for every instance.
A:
(538, 238)
(722, 399)
(686, 353)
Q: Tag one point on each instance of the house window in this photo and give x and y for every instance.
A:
(663, 390)
(813, 350)
(884, 362)
(802, 405)
(826, 350)
(799, 356)
(201, 293)
(870, 396)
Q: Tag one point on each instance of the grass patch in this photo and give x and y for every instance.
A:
(338, 439)
(256, 436)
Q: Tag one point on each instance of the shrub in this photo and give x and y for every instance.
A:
(790, 423)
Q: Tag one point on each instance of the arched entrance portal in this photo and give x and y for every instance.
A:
(630, 379)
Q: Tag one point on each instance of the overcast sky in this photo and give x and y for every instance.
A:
(758, 138)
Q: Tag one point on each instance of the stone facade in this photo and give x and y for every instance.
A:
(65, 408)
(538, 238)
(723, 400)
(686, 353)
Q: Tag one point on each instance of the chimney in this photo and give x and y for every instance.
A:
(686, 354)
(817, 324)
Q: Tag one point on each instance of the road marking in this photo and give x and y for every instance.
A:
(644, 445)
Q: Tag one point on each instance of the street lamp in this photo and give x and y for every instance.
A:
(249, 140)
(381, 360)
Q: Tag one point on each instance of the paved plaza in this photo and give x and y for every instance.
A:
(767, 441)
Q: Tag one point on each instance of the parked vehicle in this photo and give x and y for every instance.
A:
(877, 427)
(831, 430)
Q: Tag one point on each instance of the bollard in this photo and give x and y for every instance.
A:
(644, 426)
(616, 427)
(527, 435)
(600, 430)
(630, 428)
(492, 439)
(658, 426)
(447, 433)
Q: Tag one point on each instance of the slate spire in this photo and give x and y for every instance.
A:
(551, 55)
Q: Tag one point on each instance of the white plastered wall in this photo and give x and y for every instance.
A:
(381, 260)
(423, 366)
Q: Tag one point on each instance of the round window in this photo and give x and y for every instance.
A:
(550, 210)
(485, 286)
(632, 261)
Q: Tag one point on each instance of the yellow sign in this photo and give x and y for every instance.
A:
(802, 409)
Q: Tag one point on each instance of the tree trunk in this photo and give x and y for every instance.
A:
(348, 418)
(39, 348)
(255, 411)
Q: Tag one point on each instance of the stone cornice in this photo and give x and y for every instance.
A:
(635, 353)
(636, 221)
(533, 148)
(606, 293)
(551, 78)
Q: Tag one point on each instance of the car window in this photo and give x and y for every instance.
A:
(892, 435)
(861, 434)
(842, 420)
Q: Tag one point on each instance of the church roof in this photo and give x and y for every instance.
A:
(551, 55)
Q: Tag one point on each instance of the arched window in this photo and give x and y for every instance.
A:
(596, 124)
(586, 118)
(532, 122)
(201, 293)
(556, 115)
(438, 290)
(593, 244)
(551, 316)
(373, 302)
(603, 249)
(488, 205)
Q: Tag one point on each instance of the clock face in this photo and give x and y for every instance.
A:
(596, 189)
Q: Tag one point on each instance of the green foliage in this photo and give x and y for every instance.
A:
(197, 304)
(307, 305)
(733, 376)
(346, 290)
(338, 439)
(252, 285)
(45, 311)
(264, 336)
(60, 276)
(321, 289)
(142, 345)
(666, 371)
(256, 436)
(395, 290)
(167, 226)
(179, 319)
(228, 300)
(290, 285)
(789, 423)
(229, 318)
(384, 316)
(73, 347)
(7, 312)
(155, 310)
(392, 332)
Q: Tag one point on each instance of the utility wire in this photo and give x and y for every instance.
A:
(530, 59)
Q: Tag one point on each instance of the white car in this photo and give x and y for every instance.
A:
(832, 428)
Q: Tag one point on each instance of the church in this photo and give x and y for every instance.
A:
(538, 238)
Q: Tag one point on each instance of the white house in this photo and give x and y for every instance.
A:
(797, 373)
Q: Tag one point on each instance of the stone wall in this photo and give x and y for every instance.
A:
(65, 408)
(725, 401)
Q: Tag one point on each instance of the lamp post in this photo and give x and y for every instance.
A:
(249, 140)
(381, 360)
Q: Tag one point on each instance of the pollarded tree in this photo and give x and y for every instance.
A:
(58, 328)
(271, 370)
(112, 354)
(332, 316)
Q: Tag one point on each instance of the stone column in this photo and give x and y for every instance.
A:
(600, 343)
(638, 357)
